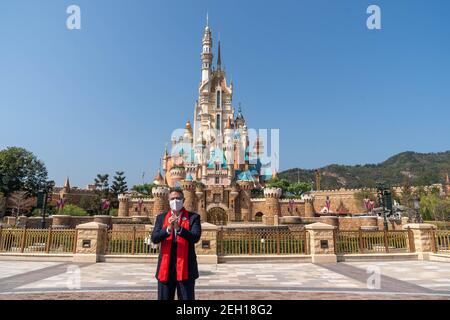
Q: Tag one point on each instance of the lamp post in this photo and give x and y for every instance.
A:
(42, 204)
(384, 199)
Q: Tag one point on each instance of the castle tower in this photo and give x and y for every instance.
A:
(161, 200)
(272, 213)
(206, 56)
(65, 190)
(246, 204)
(188, 186)
(309, 206)
(201, 202)
(158, 180)
(124, 205)
(177, 174)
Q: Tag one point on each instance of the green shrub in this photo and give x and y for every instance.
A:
(72, 210)
(114, 212)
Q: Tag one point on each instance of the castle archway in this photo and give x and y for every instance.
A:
(217, 216)
(258, 216)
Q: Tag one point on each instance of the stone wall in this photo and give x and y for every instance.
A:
(347, 196)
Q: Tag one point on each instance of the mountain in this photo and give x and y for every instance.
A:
(421, 168)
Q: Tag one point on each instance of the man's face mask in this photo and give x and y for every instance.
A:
(176, 204)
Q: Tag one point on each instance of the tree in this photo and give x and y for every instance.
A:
(91, 204)
(73, 210)
(20, 201)
(20, 170)
(298, 188)
(407, 193)
(433, 207)
(119, 184)
(145, 188)
(102, 185)
(279, 183)
(2, 204)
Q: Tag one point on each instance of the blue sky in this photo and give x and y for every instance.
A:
(107, 97)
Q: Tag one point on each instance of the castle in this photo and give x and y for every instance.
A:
(215, 161)
(218, 166)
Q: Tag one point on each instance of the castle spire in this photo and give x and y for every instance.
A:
(206, 56)
(219, 58)
(67, 184)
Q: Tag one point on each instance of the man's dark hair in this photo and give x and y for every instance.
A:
(178, 190)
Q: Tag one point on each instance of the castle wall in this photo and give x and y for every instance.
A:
(347, 196)
(298, 208)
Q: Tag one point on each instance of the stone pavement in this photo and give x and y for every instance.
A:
(398, 280)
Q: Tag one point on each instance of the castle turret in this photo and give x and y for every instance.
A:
(272, 196)
(177, 174)
(124, 205)
(206, 56)
(188, 186)
(161, 200)
(309, 206)
(246, 204)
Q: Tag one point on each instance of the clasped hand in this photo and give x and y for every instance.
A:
(173, 223)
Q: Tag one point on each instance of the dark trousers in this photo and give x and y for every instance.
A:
(185, 290)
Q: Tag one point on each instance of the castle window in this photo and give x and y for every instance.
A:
(218, 99)
(218, 122)
(217, 180)
(217, 166)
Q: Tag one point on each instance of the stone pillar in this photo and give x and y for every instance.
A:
(189, 195)
(321, 243)
(423, 238)
(91, 242)
(246, 204)
(309, 206)
(206, 248)
(201, 205)
(161, 203)
(124, 205)
(272, 212)
(61, 222)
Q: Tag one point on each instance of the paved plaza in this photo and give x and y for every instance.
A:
(398, 280)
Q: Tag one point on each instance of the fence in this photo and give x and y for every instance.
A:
(260, 242)
(248, 241)
(441, 241)
(392, 241)
(134, 243)
(38, 240)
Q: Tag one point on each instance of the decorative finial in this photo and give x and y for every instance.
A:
(207, 18)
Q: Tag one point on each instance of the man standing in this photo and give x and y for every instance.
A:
(177, 230)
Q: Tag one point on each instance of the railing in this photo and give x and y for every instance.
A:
(130, 243)
(260, 242)
(392, 241)
(38, 240)
(441, 241)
